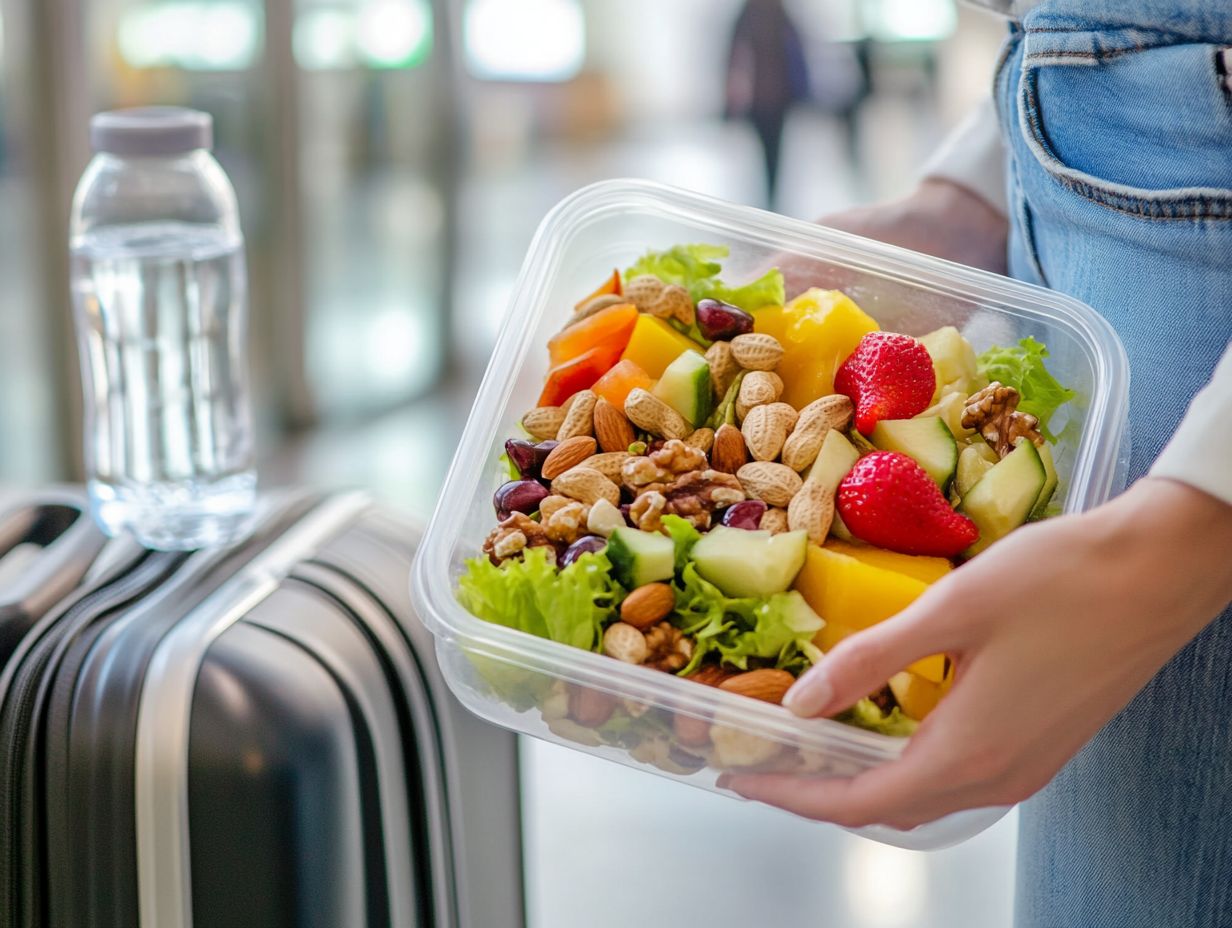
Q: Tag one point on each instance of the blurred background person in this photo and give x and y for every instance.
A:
(767, 74)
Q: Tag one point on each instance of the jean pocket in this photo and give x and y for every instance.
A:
(1146, 131)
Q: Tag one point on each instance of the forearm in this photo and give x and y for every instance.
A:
(939, 218)
(1169, 536)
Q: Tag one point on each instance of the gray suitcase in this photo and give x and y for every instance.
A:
(253, 736)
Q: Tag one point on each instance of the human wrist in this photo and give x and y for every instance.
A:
(1177, 534)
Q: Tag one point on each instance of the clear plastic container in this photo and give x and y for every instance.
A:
(526, 683)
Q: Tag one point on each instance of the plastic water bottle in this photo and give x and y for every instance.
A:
(160, 299)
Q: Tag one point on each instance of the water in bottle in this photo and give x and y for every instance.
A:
(160, 299)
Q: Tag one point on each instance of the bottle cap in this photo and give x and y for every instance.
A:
(151, 131)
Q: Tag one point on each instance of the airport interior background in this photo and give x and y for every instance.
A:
(392, 159)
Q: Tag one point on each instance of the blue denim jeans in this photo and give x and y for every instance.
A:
(1119, 128)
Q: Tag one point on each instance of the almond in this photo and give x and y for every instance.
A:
(586, 485)
(772, 483)
(590, 707)
(569, 453)
(757, 389)
(812, 509)
(579, 415)
(608, 464)
(701, 439)
(647, 411)
(774, 520)
(543, 422)
(768, 685)
(756, 351)
(691, 732)
(710, 675)
(647, 605)
(723, 367)
(612, 427)
(728, 453)
(765, 429)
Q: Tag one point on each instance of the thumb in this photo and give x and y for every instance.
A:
(862, 663)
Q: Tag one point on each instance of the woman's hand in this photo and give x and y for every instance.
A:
(938, 218)
(1053, 631)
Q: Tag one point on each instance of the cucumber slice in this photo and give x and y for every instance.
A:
(835, 459)
(640, 557)
(685, 386)
(1050, 481)
(972, 466)
(743, 563)
(927, 439)
(1005, 496)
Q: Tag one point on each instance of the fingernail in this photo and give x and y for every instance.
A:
(810, 695)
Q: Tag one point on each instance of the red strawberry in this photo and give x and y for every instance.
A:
(888, 376)
(889, 500)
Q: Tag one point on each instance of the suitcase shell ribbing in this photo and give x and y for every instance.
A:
(255, 736)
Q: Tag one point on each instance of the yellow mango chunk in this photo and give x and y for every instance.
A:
(655, 344)
(915, 696)
(927, 569)
(851, 594)
(818, 330)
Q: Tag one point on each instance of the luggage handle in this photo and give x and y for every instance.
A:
(165, 709)
(70, 541)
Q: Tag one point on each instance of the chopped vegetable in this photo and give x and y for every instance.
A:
(532, 595)
(696, 268)
(1023, 369)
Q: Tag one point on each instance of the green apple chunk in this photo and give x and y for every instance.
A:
(954, 360)
(743, 563)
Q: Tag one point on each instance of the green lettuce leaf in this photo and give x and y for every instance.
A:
(865, 714)
(570, 605)
(1022, 367)
(684, 536)
(696, 268)
(777, 629)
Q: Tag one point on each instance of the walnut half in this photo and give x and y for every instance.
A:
(512, 536)
(993, 413)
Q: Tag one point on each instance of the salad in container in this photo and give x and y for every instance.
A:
(688, 476)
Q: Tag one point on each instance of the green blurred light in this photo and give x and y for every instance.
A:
(377, 34)
(197, 36)
(911, 20)
(394, 33)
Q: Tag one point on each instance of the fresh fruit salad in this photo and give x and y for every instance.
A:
(721, 483)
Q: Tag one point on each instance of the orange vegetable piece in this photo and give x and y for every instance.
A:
(616, 385)
(610, 327)
(611, 285)
(576, 374)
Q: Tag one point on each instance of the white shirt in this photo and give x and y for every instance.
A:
(1200, 452)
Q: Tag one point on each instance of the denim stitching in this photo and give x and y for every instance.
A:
(1160, 206)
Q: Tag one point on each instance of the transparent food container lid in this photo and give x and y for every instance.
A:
(652, 720)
